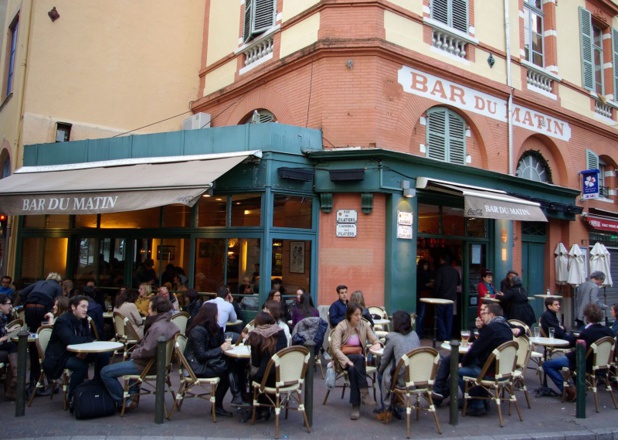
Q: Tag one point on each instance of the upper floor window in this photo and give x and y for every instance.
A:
(259, 116)
(260, 15)
(533, 32)
(532, 166)
(453, 13)
(446, 136)
(13, 32)
(594, 162)
(63, 132)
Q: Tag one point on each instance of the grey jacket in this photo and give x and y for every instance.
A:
(396, 346)
(588, 293)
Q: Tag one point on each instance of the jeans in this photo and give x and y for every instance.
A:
(358, 377)
(109, 376)
(441, 384)
(445, 322)
(471, 371)
(553, 368)
(79, 368)
(420, 317)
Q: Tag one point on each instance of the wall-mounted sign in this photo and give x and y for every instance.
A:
(346, 230)
(347, 216)
(404, 232)
(404, 218)
(590, 184)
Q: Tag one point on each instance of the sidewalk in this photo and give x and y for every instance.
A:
(549, 419)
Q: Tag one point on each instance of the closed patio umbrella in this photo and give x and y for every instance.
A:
(607, 267)
(562, 264)
(596, 258)
(577, 270)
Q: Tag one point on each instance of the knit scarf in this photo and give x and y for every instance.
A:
(490, 288)
(267, 330)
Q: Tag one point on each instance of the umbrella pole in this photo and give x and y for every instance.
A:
(605, 311)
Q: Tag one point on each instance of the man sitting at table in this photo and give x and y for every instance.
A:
(72, 328)
(550, 319)
(593, 315)
(336, 312)
(225, 307)
(158, 323)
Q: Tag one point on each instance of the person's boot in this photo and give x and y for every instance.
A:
(355, 415)
(366, 398)
(237, 399)
(10, 384)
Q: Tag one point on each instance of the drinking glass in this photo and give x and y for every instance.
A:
(537, 332)
(552, 331)
(465, 337)
(476, 333)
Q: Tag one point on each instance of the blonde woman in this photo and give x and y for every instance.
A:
(143, 300)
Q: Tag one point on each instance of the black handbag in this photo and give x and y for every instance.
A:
(91, 400)
(218, 364)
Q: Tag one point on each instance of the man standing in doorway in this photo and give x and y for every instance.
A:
(589, 294)
(447, 280)
(336, 312)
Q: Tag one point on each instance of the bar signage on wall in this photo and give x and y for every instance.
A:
(438, 89)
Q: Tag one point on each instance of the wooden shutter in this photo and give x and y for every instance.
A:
(247, 25)
(439, 11)
(264, 15)
(460, 15)
(592, 160)
(615, 61)
(436, 134)
(456, 139)
(585, 24)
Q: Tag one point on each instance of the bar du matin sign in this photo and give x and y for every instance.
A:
(346, 223)
(438, 89)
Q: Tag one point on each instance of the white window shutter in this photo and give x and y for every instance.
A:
(460, 15)
(592, 160)
(585, 24)
(439, 11)
(456, 139)
(436, 134)
(248, 22)
(264, 15)
(615, 61)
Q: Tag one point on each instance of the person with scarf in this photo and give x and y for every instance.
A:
(494, 332)
(485, 288)
(265, 339)
(515, 303)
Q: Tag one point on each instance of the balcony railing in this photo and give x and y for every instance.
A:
(258, 49)
(539, 79)
(449, 43)
(602, 108)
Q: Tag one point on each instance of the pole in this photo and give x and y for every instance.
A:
(453, 406)
(160, 384)
(22, 349)
(310, 345)
(580, 368)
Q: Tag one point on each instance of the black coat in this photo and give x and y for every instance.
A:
(491, 336)
(68, 330)
(203, 346)
(42, 292)
(515, 304)
(590, 334)
(260, 360)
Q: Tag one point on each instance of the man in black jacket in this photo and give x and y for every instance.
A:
(447, 281)
(72, 328)
(549, 319)
(593, 331)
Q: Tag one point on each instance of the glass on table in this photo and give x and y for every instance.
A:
(537, 332)
(552, 332)
(465, 337)
(476, 333)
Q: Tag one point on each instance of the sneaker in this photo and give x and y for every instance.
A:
(239, 403)
(355, 415)
(437, 398)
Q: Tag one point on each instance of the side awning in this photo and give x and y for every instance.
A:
(602, 220)
(485, 202)
(115, 185)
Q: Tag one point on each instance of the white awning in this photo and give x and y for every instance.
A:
(115, 185)
(486, 203)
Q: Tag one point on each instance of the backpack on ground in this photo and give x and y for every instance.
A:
(91, 400)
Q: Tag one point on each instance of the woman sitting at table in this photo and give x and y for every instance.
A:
(275, 295)
(204, 352)
(358, 298)
(273, 308)
(125, 305)
(515, 302)
(265, 339)
(61, 306)
(8, 348)
(305, 309)
(398, 342)
(485, 288)
(347, 346)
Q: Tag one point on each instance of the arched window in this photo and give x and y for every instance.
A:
(259, 116)
(533, 166)
(446, 136)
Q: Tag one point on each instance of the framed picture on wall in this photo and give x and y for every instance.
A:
(165, 252)
(297, 256)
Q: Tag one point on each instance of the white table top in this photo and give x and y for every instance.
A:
(381, 321)
(462, 350)
(232, 323)
(378, 352)
(239, 351)
(95, 347)
(549, 296)
(555, 342)
(436, 301)
(490, 299)
(108, 315)
(31, 337)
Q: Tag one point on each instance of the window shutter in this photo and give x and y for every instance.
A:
(436, 134)
(456, 139)
(592, 160)
(264, 15)
(615, 61)
(585, 23)
(460, 15)
(439, 11)
(247, 26)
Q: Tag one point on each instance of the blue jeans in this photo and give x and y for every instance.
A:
(79, 368)
(553, 368)
(445, 322)
(471, 371)
(110, 374)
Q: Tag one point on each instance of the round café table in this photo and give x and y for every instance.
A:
(239, 352)
(95, 347)
(490, 299)
(436, 302)
(379, 352)
(548, 344)
(549, 296)
(446, 345)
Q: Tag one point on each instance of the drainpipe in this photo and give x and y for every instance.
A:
(509, 83)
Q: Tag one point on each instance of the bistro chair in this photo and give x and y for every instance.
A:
(553, 350)
(181, 319)
(523, 357)
(496, 379)
(602, 353)
(381, 330)
(189, 381)
(93, 328)
(43, 336)
(290, 365)
(125, 333)
(250, 326)
(146, 382)
(419, 367)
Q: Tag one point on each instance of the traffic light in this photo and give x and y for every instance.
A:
(2, 225)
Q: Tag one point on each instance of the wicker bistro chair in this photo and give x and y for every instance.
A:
(181, 319)
(146, 383)
(523, 358)
(503, 360)
(290, 366)
(125, 333)
(189, 381)
(247, 328)
(553, 350)
(420, 367)
(602, 352)
(379, 329)
(93, 328)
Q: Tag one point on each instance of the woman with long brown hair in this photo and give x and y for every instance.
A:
(125, 305)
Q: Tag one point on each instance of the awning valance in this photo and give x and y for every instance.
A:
(602, 223)
(486, 203)
(114, 186)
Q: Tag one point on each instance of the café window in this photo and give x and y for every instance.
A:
(41, 256)
(292, 212)
(246, 209)
(46, 221)
(212, 211)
